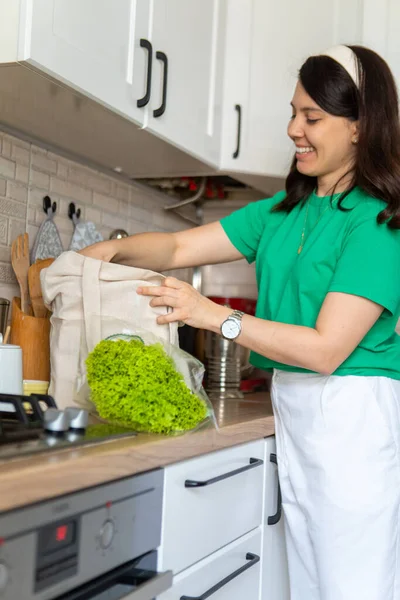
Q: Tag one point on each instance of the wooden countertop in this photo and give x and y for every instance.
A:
(39, 477)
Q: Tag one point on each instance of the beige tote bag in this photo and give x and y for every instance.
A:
(91, 300)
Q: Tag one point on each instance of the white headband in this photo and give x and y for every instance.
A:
(345, 57)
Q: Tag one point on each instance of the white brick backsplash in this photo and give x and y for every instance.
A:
(3, 230)
(93, 215)
(136, 196)
(6, 273)
(141, 215)
(40, 179)
(136, 227)
(15, 228)
(20, 155)
(9, 291)
(105, 202)
(42, 162)
(36, 197)
(6, 147)
(115, 222)
(17, 142)
(5, 253)
(11, 208)
(121, 192)
(70, 189)
(65, 239)
(17, 191)
(32, 232)
(7, 167)
(28, 173)
(62, 169)
(31, 215)
(90, 179)
(22, 173)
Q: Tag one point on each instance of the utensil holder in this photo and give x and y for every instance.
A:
(33, 335)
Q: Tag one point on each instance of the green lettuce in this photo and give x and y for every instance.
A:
(138, 386)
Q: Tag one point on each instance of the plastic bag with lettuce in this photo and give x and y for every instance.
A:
(135, 379)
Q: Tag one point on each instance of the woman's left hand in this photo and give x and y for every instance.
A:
(187, 304)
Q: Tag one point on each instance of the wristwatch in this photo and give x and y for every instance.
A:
(232, 326)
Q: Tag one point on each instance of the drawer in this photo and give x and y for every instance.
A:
(224, 502)
(233, 572)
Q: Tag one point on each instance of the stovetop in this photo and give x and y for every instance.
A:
(33, 424)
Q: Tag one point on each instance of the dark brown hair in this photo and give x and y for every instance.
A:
(375, 106)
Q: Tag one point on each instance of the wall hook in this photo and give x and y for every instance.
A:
(72, 211)
(47, 204)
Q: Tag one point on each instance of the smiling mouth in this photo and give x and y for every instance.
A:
(304, 150)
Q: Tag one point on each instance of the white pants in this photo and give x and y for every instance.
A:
(338, 449)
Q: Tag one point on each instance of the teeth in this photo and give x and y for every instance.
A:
(304, 150)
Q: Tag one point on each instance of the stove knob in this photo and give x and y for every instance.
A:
(55, 420)
(78, 417)
(4, 575)
(107, 533)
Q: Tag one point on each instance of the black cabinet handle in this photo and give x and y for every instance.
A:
(147, 45)
(254, 462)
(252, 559)
(277, 516)
(239, 130)
(161, 110)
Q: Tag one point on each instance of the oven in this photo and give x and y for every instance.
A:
(97, 544)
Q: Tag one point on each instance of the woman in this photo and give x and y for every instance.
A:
(327, 253)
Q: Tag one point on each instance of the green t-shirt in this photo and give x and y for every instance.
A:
(343, 252)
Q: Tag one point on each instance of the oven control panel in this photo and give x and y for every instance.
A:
(44, 554)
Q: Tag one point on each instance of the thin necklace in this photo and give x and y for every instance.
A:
(302, 240)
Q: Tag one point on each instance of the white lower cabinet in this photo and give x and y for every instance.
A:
(222, 530)
(209, 502)
(232, 573)
(274, 570)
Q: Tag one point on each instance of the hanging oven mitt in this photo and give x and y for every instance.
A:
(48, 242)
(85, 234)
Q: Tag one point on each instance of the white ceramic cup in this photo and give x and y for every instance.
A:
(10, 369)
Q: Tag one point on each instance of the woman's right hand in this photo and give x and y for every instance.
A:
(104, 251)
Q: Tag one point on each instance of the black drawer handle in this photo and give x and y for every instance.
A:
(252, 559)
(254, 462)
(238, 108)
(161, 110)
(277, 516)
(147, 45)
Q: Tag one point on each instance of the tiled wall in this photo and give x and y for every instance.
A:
(28, 172)
(235, 279)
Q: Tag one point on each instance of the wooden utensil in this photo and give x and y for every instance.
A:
(35, 288)
(20, 264)
(33, 335)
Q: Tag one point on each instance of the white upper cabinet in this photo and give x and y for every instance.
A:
(211, 77)
(183, 93)
(92, 46)
(284, 34)
(235, 58)
(381, 25)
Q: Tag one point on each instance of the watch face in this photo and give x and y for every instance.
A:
(230, 329)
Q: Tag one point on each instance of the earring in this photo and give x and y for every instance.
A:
(355, 140)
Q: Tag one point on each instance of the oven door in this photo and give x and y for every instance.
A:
(131, 581)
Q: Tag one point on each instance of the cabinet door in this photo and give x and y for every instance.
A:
(186, 33)
(235, 151)
(210, 501)
(381, 25)
(240, 562)
(281, 42)
(91, 46)
(274, 575)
